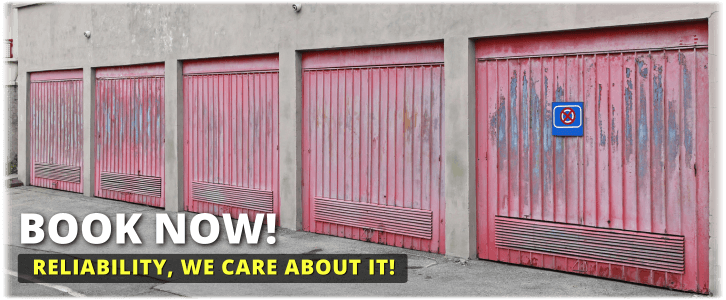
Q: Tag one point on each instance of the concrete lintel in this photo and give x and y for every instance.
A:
(290, 116)
(715, 32)
(460, 147)
(89, 136)
(174, 136)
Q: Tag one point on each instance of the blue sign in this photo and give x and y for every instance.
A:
(567, 119)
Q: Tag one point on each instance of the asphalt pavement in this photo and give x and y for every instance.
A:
(429, 274)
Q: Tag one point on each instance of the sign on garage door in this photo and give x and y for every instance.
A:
(629, 199)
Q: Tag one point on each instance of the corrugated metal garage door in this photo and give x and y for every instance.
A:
(372, 145)
(627, 201)
(130, 134)
(56, 129)
(231, 138)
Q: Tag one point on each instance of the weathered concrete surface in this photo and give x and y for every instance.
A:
(173, 136)
(460, 146)
(89, 131)
(290, 127)
(715, 34)
(429, 274)
(11, 129)
(51, 35)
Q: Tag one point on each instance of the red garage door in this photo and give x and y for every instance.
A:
(372, 145)
(629, 199)
(56, 129)
(231, 139)
(130, 134)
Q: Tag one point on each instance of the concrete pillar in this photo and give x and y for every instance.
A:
(89, 134)
(174, 135)
(460, 147)
(290, 116)
(714, 44)
(23, 126)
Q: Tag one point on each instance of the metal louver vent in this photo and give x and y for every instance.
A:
(134, 184)
(637, 249)
(259, 200)
(58, 172)
(399, 220)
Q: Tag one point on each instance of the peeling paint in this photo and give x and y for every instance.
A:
(643, 140)
(559, 149)
(536, 124)
(674, 134)
(658, 107)
(628, 113)
(687, 106)
(603, 139)
(613, 131)
(526, 126)
(514, 140)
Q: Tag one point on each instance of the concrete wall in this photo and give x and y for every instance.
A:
(11, 129)
(51, 36)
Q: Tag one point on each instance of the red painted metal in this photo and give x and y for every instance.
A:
(641, 167)
(231, 135)
(372, 145)
(56, 129)
(130, 134)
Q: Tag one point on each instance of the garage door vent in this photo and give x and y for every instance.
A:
(134, 184)
(235, 196)
(398, 220)
(58, 172)
(637, 249)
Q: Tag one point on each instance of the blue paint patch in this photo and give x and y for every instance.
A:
(514, 139)
(525, 112)
(628, 113)
(643, 166)
(613, 133)
(658, 107)
(536, 124)
(641, 68)
(547, 137)
(603, 139)
(674, 137)
(687, 106)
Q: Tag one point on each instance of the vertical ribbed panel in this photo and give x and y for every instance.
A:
(231, 139)
(374, 135)
(642, 164)
(56, 133)
(130, 135)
